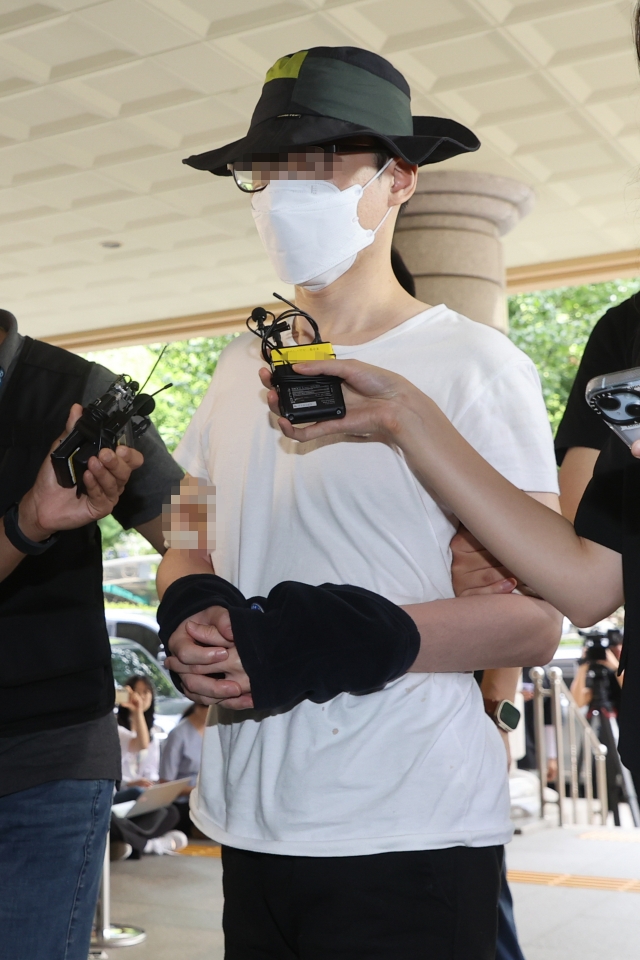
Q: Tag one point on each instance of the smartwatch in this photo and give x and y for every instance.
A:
(504, 714)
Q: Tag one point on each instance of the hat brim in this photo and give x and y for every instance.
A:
(434, 139)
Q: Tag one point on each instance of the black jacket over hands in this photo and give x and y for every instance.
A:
(55, 663)
(303, 642)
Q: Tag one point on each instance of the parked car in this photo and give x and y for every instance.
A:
(128, 658)
(141, 627)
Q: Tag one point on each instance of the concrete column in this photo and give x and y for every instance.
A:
(449, 238)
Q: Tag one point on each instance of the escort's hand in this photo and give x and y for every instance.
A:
(474, 571)
(635, 449)
(48, 507)
(377, 400)
(204, 655)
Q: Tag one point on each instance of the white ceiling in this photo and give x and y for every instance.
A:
(100, 101)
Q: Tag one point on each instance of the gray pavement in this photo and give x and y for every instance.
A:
(556, 923)
(178, 900)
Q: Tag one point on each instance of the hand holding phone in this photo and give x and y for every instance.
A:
(123, 695)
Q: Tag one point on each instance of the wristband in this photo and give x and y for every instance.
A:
(16, 537)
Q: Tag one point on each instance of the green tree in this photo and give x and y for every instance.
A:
(189, 366)
(553, 326)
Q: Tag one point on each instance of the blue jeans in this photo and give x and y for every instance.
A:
(52, 840)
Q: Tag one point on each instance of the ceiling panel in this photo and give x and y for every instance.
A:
(100, 100)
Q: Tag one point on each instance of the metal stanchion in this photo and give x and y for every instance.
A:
(555, 677)
(537, 675)
(601, 782)
(573, 763)
(588, 779)
(109, 934)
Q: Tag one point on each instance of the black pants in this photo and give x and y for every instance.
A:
(423, 905)
(138, 830)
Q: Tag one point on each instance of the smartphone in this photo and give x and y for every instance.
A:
(122, 695)
(616, 398)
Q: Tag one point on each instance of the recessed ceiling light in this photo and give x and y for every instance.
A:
(110, 244)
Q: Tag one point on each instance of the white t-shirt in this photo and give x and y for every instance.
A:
(139, 764)
(417, 765)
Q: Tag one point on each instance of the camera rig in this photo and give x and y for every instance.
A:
(301, 398)
(597, 642)
(102, 423)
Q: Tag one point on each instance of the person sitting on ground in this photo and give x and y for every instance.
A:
(181, 758)
(150, 832)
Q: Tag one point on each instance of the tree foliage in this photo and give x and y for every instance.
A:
(189, 365)
(553, 326)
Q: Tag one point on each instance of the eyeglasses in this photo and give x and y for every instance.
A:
(255, 172)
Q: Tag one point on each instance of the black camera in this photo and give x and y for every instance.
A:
(597, 643)
(301, 398)
(102, 424)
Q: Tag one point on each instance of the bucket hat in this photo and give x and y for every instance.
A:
(325, 94)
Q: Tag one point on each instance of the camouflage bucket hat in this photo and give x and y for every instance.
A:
(325, 94)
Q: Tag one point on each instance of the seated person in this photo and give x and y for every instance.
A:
(139, 741)
(150, 832)
(181, 757)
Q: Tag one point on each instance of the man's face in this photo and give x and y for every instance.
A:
(255, 173)
(343, 169)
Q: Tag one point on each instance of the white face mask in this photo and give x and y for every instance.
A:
(310, 228)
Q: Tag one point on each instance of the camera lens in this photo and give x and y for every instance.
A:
(606, 402)
(633, 409)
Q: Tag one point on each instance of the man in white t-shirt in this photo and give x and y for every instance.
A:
(369, 823)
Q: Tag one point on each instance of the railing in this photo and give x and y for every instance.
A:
(594, 754)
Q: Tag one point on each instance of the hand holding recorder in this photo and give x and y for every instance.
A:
(48, 508)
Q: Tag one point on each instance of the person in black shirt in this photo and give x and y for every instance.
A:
(59, 749)
(614, 345)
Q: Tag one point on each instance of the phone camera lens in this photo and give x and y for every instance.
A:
(608, 403)
(633, 409)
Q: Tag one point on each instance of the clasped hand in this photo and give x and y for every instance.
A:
(203, 653)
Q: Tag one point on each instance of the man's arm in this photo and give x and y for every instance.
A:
(460, 634)
(484, 632)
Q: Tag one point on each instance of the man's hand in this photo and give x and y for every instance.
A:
(204, 654)
(48, 507)
(474, 571)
